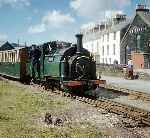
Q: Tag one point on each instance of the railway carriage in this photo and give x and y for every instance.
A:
(14, 63)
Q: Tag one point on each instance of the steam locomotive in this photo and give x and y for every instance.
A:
(70, 67)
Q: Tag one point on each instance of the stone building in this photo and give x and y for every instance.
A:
(135, 44)
(103, 39)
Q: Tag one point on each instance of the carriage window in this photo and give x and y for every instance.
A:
(57, 58)
(15, 56)
(5, 57)
(18, 57)
(50, 59)
(9, 55)
(0, 57)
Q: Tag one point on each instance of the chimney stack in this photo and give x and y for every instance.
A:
(141, 7)
(79, 43)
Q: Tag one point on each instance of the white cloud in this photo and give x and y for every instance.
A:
(3, 37)
(37, 29)
(97, 8)
(14, 3)
(57, 19)
(52, 19)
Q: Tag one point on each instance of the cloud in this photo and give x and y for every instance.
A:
(3, 37)
(14, 3)
(57, 19)
(37, 29)
(54, 19)
(97, 8)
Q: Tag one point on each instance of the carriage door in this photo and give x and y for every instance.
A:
(23, 63)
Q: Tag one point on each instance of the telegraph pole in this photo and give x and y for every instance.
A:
(25, 44)
(18, 42)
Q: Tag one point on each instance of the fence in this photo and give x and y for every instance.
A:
(110, 69)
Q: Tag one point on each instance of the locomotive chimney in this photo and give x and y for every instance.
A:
(79, 43)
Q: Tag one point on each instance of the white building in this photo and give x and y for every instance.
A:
(103, 40)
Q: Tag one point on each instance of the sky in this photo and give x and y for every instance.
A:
(39, 21)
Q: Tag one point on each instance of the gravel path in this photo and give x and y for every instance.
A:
(138, 85)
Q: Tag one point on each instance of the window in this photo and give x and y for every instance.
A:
(97, 47)
(103, 50)
(106, 60)
(107, 49)
(138, 42)
(114, 35)
(114, 49)
(103, 38)
(103, 60)
(97, 57)
(92, 48)
(1, 58)
(50, 59)
(110, 60)
(107, 37)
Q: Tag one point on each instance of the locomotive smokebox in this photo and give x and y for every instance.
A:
(79, 43)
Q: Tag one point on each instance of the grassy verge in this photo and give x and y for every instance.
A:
(20, 108)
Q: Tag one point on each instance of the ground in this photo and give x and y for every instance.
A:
(23, 109)
(138, 85)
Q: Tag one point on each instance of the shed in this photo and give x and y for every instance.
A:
(5, 45)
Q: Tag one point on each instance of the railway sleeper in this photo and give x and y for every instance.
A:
(130, 112)
(145, 121)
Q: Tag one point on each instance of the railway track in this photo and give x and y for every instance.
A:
(139, 115)
(137, 94)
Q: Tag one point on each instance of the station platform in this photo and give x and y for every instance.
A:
(136, 85)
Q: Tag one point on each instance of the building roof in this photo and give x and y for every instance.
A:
(5, 45)
(117, 27)
(114, 28)
(145, 16)
(2, 43)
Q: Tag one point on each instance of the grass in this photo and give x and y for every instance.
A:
(20, 107)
